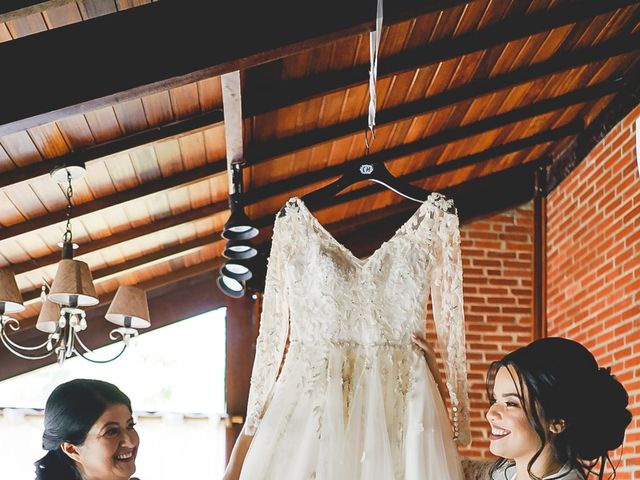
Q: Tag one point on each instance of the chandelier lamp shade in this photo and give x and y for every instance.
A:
(48, 317)
(129, 308)
(10, 297)
(73, 285)
(62, 316)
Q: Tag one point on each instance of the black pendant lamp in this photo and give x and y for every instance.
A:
(239, 250)
(239, 226)
(238, 231)
(231, 287)
(237, 269)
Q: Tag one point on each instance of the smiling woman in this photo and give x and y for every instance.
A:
(89, 433)
(554, 414)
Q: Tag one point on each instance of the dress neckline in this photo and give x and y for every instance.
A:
(434, 198)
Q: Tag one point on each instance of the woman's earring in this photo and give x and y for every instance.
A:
(557, 426)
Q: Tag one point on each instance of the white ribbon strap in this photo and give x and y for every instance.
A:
(374, 47)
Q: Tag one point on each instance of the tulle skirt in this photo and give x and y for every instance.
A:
(349, 412)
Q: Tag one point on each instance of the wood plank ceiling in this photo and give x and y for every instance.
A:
(466, 93)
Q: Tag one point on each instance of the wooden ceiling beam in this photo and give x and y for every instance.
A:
(262, 152)
(113, 147)
(215, 168)
(126, 67)
(181, 179)
(12, 9)
(294, 91)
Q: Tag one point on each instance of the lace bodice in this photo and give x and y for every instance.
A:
(319, 294)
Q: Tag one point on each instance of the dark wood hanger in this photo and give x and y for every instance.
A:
(374, 171)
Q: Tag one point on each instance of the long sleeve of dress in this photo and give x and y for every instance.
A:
(274, 327)
(448, 313)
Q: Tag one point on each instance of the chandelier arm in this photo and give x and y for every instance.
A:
(7, 343)
(9, 323)
(87, 350)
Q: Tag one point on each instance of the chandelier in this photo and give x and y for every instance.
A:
(63, 315)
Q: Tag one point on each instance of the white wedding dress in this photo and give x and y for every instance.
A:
(354, 398)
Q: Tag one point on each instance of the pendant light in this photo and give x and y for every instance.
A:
(238, 231)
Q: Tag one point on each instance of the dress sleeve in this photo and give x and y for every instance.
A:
(448, 313)
(274, 329)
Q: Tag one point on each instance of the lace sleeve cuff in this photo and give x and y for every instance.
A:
(449, 318)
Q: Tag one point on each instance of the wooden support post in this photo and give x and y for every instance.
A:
(540, 256)
(242, 331)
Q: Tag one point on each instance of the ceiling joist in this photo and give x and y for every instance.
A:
(512, 28)
(113, 147)
(187, 177)
(262, 152)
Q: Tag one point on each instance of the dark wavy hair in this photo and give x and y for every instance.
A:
(71, 410)
(564, 382)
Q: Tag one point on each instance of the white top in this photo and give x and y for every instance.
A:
(480, 470)
(565, 473)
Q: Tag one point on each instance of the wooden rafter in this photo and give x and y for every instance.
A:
(125, 235)
(266, 151)
(291, 184)
(126, 68)
(512, 28)
(262, 152)
(181, 179)
(288, 185)
(12, 9)
(113, 147)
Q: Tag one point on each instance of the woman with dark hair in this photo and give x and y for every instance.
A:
(554, 413)
(89, 433)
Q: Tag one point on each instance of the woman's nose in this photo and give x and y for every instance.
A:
(494, 412)
(130, 438)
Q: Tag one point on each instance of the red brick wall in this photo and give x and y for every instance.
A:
(497, 257)
(594, 266)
